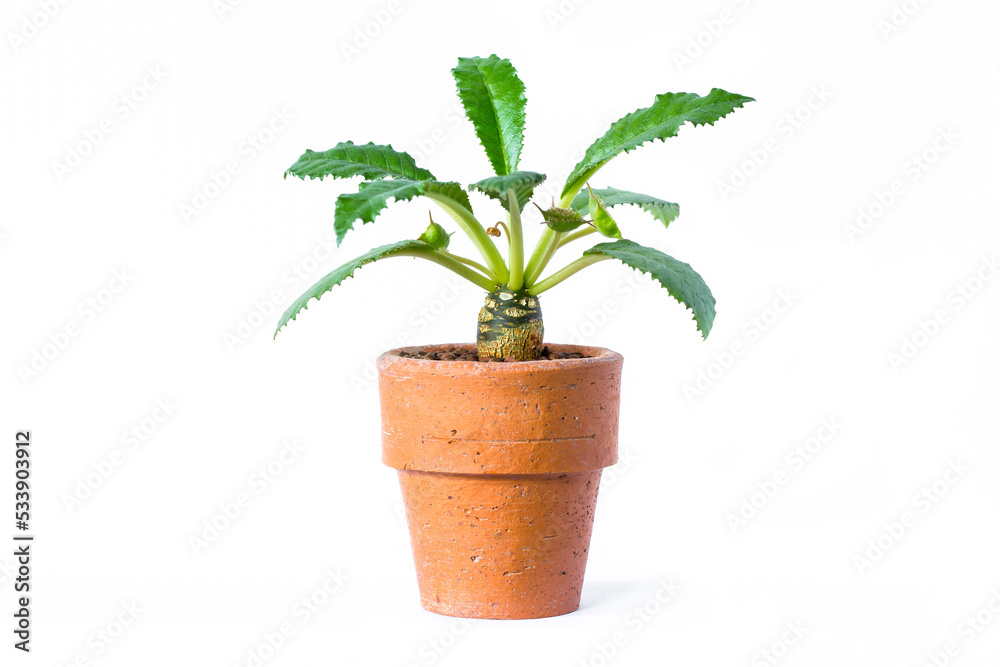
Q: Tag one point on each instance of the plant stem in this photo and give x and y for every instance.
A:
(550, 250)
(566, 272)
(469, 262)
(487, 283)
(578, 234)
(476, 233)
(567, 201)
(532, 270)
(577, 185)
(516, 258)
(495, 228)
(547, 244)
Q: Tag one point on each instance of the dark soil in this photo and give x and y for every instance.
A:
(470, 354)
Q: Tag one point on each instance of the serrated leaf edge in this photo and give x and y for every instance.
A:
(687, 308)
(390, 248)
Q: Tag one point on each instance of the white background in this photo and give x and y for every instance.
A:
(844, 107)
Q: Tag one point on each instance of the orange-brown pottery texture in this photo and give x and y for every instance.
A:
(499, 465)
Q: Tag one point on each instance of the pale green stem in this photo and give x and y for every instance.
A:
(469, 262)
(506, 229)
(532, 270)
(476, 278)
(567, 201)
(578, 185)
(566, 272)
(476, 233)
(578, 234)
(547, 244)
(516, 255)
(550, 250)
(547, 250)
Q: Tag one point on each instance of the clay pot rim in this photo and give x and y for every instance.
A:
(596, 356)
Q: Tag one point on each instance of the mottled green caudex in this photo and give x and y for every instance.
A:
(510, 325)
(493, 96)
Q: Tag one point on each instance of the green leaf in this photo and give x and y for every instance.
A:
(436, 236)
(561, 219)
(344, 272)
(454, 192)
(523, 182)
(347, 159)
(370, 199)
(664, 211)
(603, 221)
(680, 280)
(493, 97)
(660, 121)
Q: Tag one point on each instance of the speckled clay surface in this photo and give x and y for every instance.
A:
(499, 465)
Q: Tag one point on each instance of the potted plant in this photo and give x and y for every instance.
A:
(499, 446)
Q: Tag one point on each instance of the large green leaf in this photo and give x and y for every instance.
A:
(370, 199)
(523, 182)
(664, 211)
(493, 97)
(660, 121)
(373, 197)
(680, 280)
(448, 193)
(342, 273)
(369, 160)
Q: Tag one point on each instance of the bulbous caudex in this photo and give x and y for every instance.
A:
(510, 325)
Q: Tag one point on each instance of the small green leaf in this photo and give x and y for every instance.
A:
(660, 121)
(493, 97)
(370, 199)
(523, 182)
(344, 272)
(561, 219)
(680, 280)
(603, 221)
(347, 159)
(436, 236)
(664, 211)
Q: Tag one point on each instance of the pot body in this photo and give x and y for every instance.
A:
(499, 465)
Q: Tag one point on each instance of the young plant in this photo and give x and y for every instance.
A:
(510, 323)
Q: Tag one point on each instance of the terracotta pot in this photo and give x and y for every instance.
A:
(499, 465)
